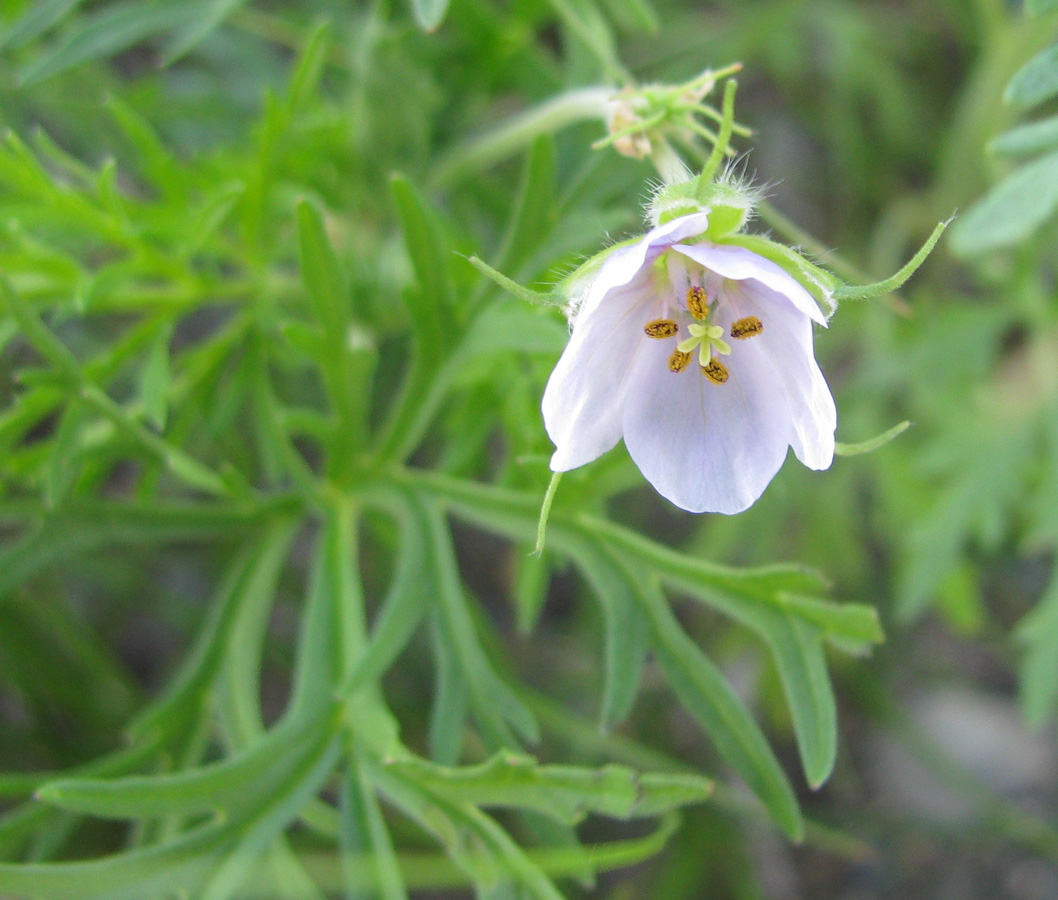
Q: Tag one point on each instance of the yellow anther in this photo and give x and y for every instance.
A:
(678, 361)
(698, 302)
(748, 327)
(661, 328)
(715, 371)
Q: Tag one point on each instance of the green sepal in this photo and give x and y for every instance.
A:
(821, 284)
(890, 284)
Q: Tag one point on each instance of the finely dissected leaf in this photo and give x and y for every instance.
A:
(1038, 670)
(154, 379)
(82, 526)
(990, 475)
(536, 210)
(566, 792)
(448, 714)
(857, 623)
(626, 636)
(155, 159)
(1011, 211)
(103, 33)
(492, 702)
(276, 810)
(347, 349)
(321, 271)
(708, 697)
(305, 78)
(250, 580)
(61, 469)
(201, 21)
(429, 13)
(402, 609)
(1036, 81)
(797, 649)
(365, 841)
(223, 787)
(429, 257)
(36, 20)
(510, 326)
(1027, 140)
(177, 865)
(475, 842)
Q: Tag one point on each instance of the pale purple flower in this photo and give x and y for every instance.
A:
(700, 356)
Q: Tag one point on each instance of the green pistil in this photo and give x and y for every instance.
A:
(709, 338)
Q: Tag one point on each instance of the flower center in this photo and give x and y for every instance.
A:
(707, 339)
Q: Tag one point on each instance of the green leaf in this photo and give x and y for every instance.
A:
(178, 865)
(249, 581)
(1037, 632)
(321, 270)
(797, 649)
(36, 20)
(507, 327)
(322, 643)
(1040, 7)
(448, 714)
(305, 78)
(856, 623)
(348, 349)
(429, 13)
(626, 637)
(276, 809)
(492, 702)
(67, 446)
(224, 787)
(402, 609)
(535, 210)
(1011, 211)
(200, 22)
(708, 697)
(103, 33)
(1036, 81)
(429, 254)
(154, 378)
(365, 841)
(1027, 140)
(567, 793)
(475, 842)
(154, 158)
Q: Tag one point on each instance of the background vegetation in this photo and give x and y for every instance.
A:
(271, 458)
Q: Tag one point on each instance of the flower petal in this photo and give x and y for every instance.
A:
(706, 447)
(582, 400)
(624, 263)
(740, 264)
(785, 349)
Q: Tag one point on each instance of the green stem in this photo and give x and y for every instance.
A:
(705, 179)
(519, 131)
(545, 512)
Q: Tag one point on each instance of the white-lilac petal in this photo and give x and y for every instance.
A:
(582, 400)
(740, 264)
(703, 446)
(624, 263)
(784, 350)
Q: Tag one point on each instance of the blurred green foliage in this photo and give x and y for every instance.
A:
(271, 455)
